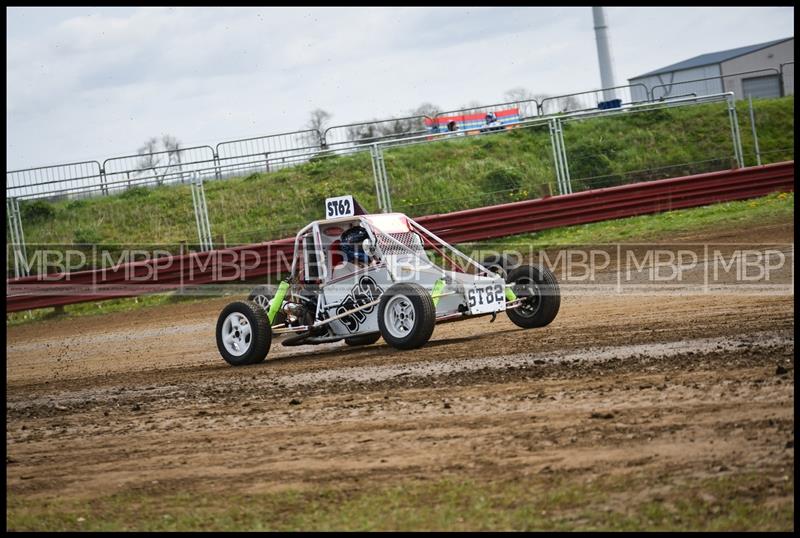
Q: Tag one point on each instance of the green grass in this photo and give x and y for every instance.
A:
(774, 208)
(427, 178)
(559, 503)
(95, 308)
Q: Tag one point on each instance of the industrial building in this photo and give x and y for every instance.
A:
(762, 70)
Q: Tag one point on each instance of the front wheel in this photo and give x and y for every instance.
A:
(406, 316)
(541, 297)
(243, 333)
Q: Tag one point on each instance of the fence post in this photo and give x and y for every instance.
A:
(266, 160)
(735, 134)
(556, 161)
(201, 213)
(17, 238)
(565, 162)
(217, 167)
(104, 181)
(385, 177)
(381, 183)
(753, 126)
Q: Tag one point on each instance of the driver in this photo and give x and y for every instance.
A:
(352, 245)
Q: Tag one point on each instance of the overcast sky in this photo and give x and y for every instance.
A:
(93, 83)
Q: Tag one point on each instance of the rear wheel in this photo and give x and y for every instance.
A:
(362, 340)
(406, 316)
(243, 333)
(538, 288)
(262, 295)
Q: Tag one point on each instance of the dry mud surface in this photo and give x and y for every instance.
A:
(688, 386)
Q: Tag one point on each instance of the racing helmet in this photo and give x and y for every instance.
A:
(352, 244)
(490, 117)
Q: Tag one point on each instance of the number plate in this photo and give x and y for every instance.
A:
(486, 296)
(340, 206)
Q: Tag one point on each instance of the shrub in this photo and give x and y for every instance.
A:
(36, 211)
(135, 192)
(87, 236)
(499, 179)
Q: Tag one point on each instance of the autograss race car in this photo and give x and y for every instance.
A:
(358, 277)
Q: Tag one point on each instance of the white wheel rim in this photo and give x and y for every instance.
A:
(237, 334)
(399, 316)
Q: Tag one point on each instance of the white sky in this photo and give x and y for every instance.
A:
(93, 83)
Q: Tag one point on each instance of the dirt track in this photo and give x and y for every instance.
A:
(687, 386)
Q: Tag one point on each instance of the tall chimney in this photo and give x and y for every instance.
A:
(603, 53)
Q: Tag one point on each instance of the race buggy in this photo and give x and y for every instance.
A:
(358, 277)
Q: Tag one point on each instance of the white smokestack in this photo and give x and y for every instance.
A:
(603, 53)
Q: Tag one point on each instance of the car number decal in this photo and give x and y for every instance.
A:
(365, 291)
(493, 293)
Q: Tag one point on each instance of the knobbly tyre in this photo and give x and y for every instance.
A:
(358, 277)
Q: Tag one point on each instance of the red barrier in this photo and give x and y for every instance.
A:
(252, 261)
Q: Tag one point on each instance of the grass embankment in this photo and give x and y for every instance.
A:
(774, 208)
(562, 503)
(428, 178)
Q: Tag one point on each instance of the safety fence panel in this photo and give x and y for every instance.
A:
(474, 122)
(595, 99)
(266, 153)
(51, 181)
(631, 146)
(469, 168)
(468, 117)
(361, 135)
(159, 168)
(170, 272)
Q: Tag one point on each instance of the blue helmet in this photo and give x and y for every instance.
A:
(351, 244)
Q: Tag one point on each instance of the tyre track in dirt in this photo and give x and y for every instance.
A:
(641, 385)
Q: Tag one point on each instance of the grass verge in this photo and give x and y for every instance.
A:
(561, 502)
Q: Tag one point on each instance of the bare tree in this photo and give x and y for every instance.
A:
(148, 161)
(426, 109)
(472, 106)
(518, 94)
(523, 98)
(318, 121)
(159, 158)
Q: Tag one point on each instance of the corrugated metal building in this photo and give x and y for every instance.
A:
(760, 66)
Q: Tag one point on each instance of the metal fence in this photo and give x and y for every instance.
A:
(554, 163)
(266, 153)
(527, 109)
(364, 133)
(51, 180)
(159, 168)
(590, 100)
(272, 152)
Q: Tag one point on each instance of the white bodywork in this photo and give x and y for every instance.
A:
(351, 293)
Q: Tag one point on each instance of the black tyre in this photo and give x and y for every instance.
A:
(362, 340)
(243, 333)
(538, 287)
(262, 295)
(406, 316)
